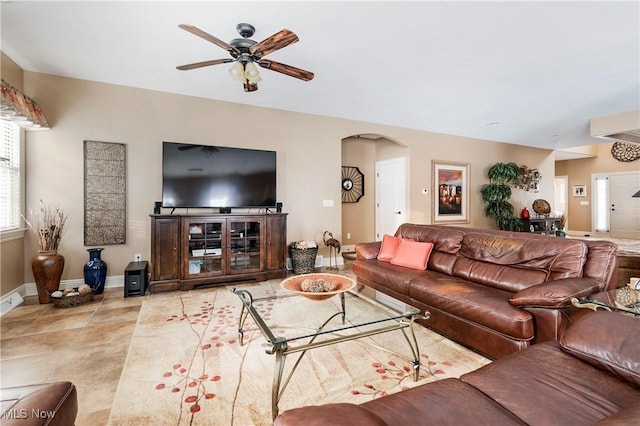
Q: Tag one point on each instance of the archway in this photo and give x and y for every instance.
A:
(363, 151)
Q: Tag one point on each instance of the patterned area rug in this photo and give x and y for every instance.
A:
(186, 366)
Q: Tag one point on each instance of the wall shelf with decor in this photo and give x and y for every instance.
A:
(188, 251)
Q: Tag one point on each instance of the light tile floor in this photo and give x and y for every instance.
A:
(85, 344)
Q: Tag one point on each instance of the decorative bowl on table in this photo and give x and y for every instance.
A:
(318, 286)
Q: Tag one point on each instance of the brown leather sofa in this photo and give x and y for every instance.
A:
(590, 377)
(51, 404)
(496, 292)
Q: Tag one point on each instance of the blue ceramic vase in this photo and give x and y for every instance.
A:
(95, 271)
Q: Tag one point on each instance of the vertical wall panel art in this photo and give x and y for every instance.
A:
(105, 193)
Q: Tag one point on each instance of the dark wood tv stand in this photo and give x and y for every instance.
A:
(196, 250)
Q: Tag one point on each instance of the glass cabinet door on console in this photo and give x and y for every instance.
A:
(205, 247)
(245, 244)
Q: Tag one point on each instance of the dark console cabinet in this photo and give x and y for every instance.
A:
(543, 226)
(195, 250)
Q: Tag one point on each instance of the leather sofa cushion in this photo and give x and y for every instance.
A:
(507, 278)
(500, 260)
(596, 340)
(546, 386)
(626, 417)
(446, 240)
(394, 277)
(476, 303)
(445, 402)
(601, 261)
(329, 414)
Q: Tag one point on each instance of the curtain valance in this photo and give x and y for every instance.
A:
(18, 108)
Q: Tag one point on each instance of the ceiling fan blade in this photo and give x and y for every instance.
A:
(286, 69)
(197, 31)
(277, 41)
(204, 64)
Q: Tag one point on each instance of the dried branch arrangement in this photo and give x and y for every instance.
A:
(49, 227)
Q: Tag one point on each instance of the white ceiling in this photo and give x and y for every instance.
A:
(530, 73)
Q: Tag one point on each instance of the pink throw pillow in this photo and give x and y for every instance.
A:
(412, 254)
(388, 248)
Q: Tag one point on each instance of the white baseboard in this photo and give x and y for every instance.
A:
(10, 301)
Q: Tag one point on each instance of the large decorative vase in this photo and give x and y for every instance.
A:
(47, 269)
(95, 271)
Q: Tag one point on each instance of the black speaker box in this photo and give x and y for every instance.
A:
(156, 207)
(279, 207)
(135, 279)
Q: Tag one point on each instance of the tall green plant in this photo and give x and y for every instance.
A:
(496, 195)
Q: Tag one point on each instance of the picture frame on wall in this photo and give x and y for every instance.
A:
(580, 191)
(450, 191)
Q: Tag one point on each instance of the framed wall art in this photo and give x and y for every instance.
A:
(450, 192)
(580, 191)
(352, 184)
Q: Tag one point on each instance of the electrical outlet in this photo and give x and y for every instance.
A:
(137, 257)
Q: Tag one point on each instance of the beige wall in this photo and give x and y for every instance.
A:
(12, 262)
(309, 159)
(359, 218)
(11, 72)
(579, 173)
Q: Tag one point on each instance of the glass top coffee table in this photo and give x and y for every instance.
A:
(297, 324)
(606, 300)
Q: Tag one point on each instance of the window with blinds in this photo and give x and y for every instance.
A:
(9, 176)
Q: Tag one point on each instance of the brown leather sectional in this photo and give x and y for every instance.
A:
(496, 292)
(590, 377)
(51, 404)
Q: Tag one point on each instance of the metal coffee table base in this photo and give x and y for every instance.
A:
(281, 349)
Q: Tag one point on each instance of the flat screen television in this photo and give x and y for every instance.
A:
(217, 176)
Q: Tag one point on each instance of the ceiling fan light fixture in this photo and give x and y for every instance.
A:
(251, 73)
(236, 71)
(246, 55)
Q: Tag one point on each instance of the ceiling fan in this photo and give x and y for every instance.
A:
(246, 53)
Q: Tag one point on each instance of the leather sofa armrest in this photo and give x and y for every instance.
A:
(555, 294)
(366, 251)
(330, 414)
(56, 404)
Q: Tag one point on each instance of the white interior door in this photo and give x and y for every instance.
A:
(560, 195)
(624, 213)
(390, 196)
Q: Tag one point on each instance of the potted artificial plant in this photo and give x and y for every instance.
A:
(496, 195)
